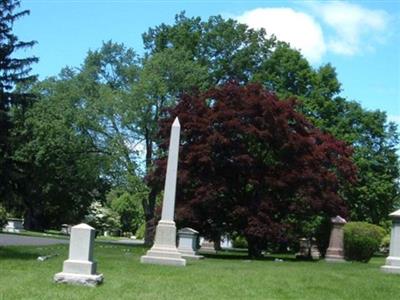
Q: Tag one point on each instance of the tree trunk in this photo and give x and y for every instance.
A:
(217, 242)
(150, 218)
(149, 232)
(254, 249)
(33, 220)
(151, 200)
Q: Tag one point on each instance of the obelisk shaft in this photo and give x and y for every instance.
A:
(172, 169)
(164, 251)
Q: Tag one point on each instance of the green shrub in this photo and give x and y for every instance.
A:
(3, 217)
(361, 240)
(387, 225)
(140, 232)
(103, 218)
(385, 244)
(130, 210)
(239, 242)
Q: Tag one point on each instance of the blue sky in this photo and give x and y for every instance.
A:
(361, 39)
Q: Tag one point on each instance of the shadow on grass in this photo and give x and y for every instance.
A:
(108, 244)
(17, 253)
(37, 234)
(230, 255)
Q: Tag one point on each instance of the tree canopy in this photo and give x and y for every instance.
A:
(249, 161)
(232, 51)
(60, 168)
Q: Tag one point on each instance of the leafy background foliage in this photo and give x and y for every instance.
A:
(90, 134)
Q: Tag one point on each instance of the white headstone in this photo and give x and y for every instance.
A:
(304, 248)
(164, 251)
(187, 245)
(207, 247)
(226, 242)
(314, 251)
(14, 225)
(66, 229)
(393, 260)
(80, 267)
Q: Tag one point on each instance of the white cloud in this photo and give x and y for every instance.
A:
(297, 28)
(394, 118)
(355, 28)
(343, 28)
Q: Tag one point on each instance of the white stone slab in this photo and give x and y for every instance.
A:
(79, 267)
(192, 256)
(79, 279)
(335, 259)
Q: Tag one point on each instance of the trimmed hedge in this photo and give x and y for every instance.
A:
(239, 242)
(361, 240)
(141, 231)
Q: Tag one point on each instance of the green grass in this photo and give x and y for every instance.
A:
(110, 238)
(58, 235)
(227, 276)
(46, 234)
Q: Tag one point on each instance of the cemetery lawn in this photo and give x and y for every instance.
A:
(47, 234)
(225, 276)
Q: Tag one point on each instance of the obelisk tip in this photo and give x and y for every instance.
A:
(176, 123)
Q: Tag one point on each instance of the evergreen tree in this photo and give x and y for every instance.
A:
(12, 71)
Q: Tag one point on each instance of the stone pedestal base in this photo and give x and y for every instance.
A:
(79, 279)
(13, 230)
(334, 255)
(190, 254)
(163, 257)
(390, 269)
(207, 250)
(334, 259)
(79, 267)
(164, 251)
(392, 265)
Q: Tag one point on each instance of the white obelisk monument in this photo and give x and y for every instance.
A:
(164, 251)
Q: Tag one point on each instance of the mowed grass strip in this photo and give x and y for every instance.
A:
(224, 276)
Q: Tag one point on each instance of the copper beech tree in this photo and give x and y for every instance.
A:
(248, 162)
